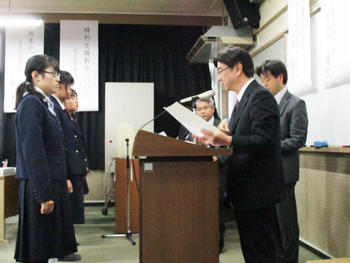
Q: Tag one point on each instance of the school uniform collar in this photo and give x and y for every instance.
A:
(46, 98)
(59, 102)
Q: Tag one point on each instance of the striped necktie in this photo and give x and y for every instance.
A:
(51, 106)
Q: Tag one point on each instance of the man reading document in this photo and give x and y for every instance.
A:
(254, 177)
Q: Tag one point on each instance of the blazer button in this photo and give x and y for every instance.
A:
(85, 160)
(76, 151)
(75, 136)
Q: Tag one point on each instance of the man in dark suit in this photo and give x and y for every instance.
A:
(254, 178)
(294, 123)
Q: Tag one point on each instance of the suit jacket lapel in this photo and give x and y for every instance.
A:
(284, 102)
(241, 107)
(216, 122)
(75, 128)
(73, 124)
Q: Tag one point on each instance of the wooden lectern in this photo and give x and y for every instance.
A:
(179, 218)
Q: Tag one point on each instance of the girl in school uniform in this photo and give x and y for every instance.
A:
(45, 228)
(80, 162)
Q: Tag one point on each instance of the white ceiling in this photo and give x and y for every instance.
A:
(162, 7)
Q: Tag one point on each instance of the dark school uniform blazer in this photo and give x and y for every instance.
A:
(77, 143)
(294, 124)
(73, 157)
(40, 147)
(255, 167)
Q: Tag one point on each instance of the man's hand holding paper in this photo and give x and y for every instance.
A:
(217, 138)
(223, 126)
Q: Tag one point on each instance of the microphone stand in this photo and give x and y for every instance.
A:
(128, 234)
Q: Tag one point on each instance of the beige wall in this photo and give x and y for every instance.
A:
(323, 200)
(274, 23)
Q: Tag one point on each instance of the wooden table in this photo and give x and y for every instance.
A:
(8, 197)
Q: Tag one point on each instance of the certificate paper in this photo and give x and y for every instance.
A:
(189, 119)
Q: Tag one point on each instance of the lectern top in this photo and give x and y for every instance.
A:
(153, 145)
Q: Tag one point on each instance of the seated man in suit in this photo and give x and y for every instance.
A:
(294, 123)
(254, 170)
(205, 108)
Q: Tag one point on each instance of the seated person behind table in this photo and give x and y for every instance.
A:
(205, 108)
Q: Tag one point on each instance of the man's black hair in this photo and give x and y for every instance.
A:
(275, 67)
(232, 56)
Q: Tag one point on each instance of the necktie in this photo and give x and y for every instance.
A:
(51, 106)
(236, 107)
(230, 123)
(189, 137)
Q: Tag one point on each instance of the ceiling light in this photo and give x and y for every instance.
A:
(19, 21)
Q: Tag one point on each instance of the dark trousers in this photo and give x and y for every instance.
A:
(289, 228)
(259, 235)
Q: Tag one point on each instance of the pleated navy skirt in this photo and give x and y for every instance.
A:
(41, 237)
(77, 201)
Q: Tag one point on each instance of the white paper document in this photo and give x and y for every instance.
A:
(189, 119)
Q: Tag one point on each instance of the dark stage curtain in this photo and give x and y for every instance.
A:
(137, 54)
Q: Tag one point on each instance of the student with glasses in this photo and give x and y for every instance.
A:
(45, 228)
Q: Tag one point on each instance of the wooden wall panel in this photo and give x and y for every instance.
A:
(323, 198)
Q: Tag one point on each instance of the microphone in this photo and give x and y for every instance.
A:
(204, 95)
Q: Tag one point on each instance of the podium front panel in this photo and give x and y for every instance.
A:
(179, 210)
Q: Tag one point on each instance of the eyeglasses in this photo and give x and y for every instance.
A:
(222, 70)
(53, 73)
